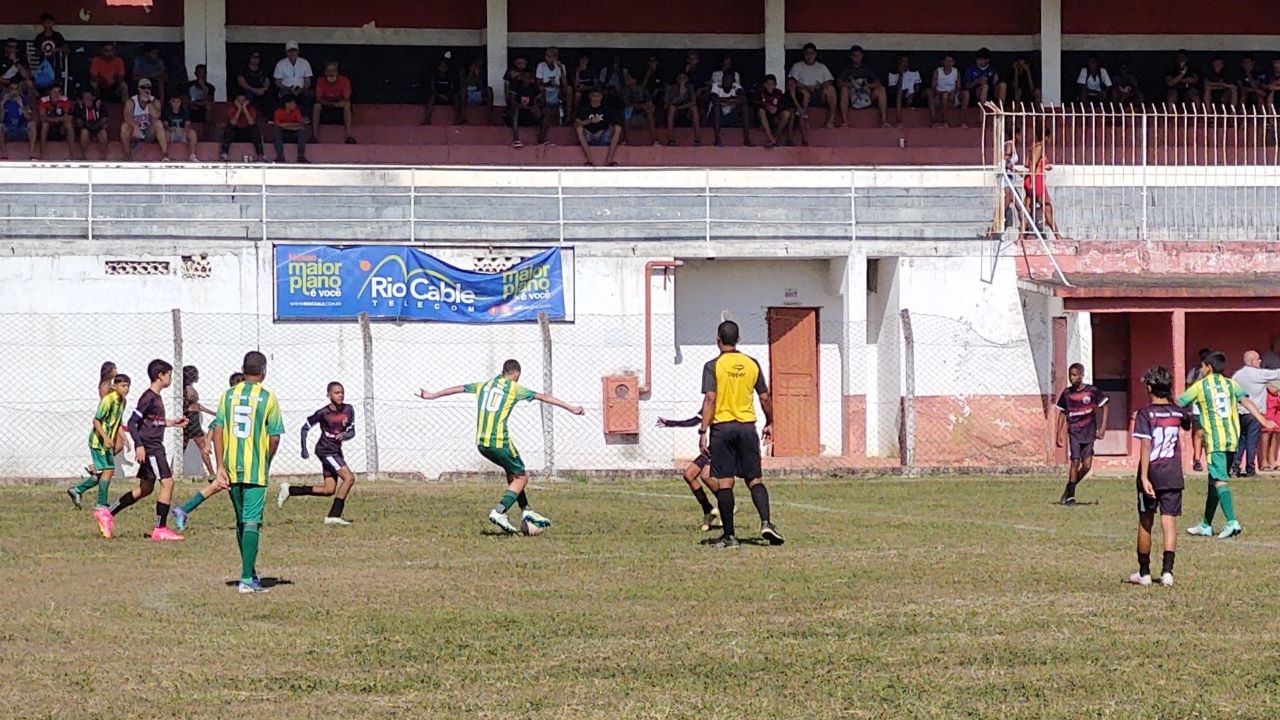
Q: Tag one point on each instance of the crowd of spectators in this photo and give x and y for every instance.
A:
(1247, 86)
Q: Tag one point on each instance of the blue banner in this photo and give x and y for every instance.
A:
(396, 282)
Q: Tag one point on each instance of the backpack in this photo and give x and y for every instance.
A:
(45, 75)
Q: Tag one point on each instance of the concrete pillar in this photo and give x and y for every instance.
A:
(852, 280)
(1178, 331)
(204, 38)
(496, 47)
(1080, 341)
(1051, 51)
(775, 39)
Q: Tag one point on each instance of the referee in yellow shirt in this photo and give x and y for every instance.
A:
(728, 431)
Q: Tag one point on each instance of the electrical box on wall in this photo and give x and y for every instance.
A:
(621, 405)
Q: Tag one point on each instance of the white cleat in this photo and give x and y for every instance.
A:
(501, 520)
(1139, 579)
(534, 518)
(1166, 579)
(1201, 530)
(283, 495)
(336, 521)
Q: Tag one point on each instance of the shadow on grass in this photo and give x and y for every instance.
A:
(267, 582)
(758, 542)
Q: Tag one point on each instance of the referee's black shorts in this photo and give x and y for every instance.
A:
(735, 450)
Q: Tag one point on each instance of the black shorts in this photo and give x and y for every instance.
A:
(331, 115)
(1168, 502)
(1081, 445)
(331, 463)
(193, 429)
(735, 451)
(702, 461)
(57, 130)
(93, 127)
(156, 466)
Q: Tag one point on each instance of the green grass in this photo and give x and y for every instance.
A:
(964, 597)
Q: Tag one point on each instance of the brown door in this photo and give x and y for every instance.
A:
(793, 380)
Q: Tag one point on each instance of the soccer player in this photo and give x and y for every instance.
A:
(246, 434)
(147, 425)
(193, 432)
(1079, 406)
(728, 431)
(1158, 427)
(1197, 431)
(181, 514)
(105, 439)
(337, 422)
(696, 475)
(494, 401)
(1217, 398)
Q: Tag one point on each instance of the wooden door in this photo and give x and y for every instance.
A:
(793, 381)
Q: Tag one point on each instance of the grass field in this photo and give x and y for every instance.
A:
(962, 597)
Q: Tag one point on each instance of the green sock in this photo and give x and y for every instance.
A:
(1210, 503)
(1228, 508)
(508, 499)
(190, 505)
(103, 486)
(248, 551)
(85, 484)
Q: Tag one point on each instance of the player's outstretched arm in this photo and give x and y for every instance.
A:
(557, 402)
(694, 421)
(455, 390)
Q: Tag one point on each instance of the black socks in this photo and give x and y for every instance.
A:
(701, 496)
(724, 498)
(338, 505)
(760, 496)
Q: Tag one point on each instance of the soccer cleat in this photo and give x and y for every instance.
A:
(283, 495)
(106, 521)
(1202, 530)
(770, 533)
(1139, 579)
(534, 518)
(1197, 466)
(1230, 530)
(180, 518)
(75, 497)
(1066, 501)
(164, 534)
(251, 587)
(1166, 579)
(500, 519)
(711, 521)
(336, 521)
(724, 541)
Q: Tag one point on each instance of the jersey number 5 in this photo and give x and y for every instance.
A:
(242, 419)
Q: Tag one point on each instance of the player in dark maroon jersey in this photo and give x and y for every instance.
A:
(337, 422)
(1158, 427)
(1079, 406)
(697, 474)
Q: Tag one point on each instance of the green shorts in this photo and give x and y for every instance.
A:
(1218, 465)
(248, 500)
(507, 458)
(103, 459)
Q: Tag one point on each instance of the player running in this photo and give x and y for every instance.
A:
(1218, 397)
(1079, 406)
(146, 426)
(1158, 428)
(181, 515)
(337, 422)
(697, 475)
(106, 437)
(494, 401)
(246, 434)
(194, 432)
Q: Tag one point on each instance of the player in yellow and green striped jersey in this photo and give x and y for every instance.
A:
(495, 400)
(105, 439)
(1217, 399)
(246, 434)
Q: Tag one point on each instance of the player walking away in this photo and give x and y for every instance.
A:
(106, 378)
(1158, 427)
(182, 514)
(146, 426)
(494, 402)
(728, 431)
(246, 434)
(1218, 398)
(337, 422)
(1078, 424)
(105, 439)
(194, 432)
(1197, 430)
(697, 474)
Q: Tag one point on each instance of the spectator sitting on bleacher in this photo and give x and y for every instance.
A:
(800, 119)
(581, 80)
(726, 67)
(554, 81)
(1182, 81)
(860, 88)
(524, 104)
(729, 104)
(1273, 87)
(48, 38)
(1218, 88)
(814, 81)
(293, 77)
(90, 114)
(636, 100)
(255, 84)
(56, 121)
(682, 99)
(699, 79)
(1094, 82)
(177, 125)
(651, 81)
(612, 79)
(905, 87)
(14, 67)
(945, 92)
(1252, 83)
(442, 88)
(475, 91)
(1125, 89)
(982, 82)
(1022, 82)
(242, 126)
(597, 125)
(200, 99)
(16, 122)
(290, 127)
(149, 66)
(333, 100)
(776, 112)
(107, 74)
(142, 121)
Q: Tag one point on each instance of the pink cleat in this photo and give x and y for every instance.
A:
(162, 534)
(106, 521)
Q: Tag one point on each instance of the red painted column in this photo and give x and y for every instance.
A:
(1178, 330)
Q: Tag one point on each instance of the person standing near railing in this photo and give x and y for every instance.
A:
(1033, 185)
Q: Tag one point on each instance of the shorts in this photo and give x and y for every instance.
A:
(735, 451)
(193, 429)
(1167, 502)
(526, 116)
(330, 115)
(1219, 461)
(702, 461)
(103, 459)
(1195, 420)
(1081, 445)
(93, 127)
(331, 463)
(57, 130)
(601, 138)
(475, 96)
(156, 466)
(14, 134)
(248, 500)
(148, 135)
(507, 458)
(913, 99)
